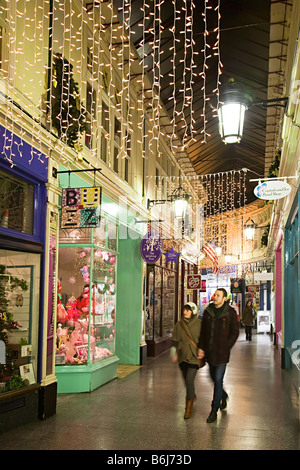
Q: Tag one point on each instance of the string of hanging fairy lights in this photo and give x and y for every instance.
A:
(124, 93)
(24, 31)
(221, 198)
(206, 56)
(125, 65)
(173, 77)
(141, 97)
(192, 74)
(94, 43)
(182, 70)
(187, 82)
(216, 49)
(155, 31)
(92, 60)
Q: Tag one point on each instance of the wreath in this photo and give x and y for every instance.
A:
(67, 114)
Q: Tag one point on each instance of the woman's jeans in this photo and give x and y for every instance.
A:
(217, 375)
(248, 331)
(189, 372)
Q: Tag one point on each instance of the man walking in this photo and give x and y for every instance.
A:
(219, 333)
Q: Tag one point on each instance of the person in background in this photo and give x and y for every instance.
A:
(185, 350)
(219, 332)
(248, 320)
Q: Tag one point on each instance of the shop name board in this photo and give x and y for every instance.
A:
(263, 276)
(270, 190)
(151, 247)
(194, 281)
(81, 207)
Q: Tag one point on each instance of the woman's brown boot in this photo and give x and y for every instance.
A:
(188, 408)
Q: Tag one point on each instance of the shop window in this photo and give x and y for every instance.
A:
(158, 292)
(127, 159)
(3, 38)
(86, 299)
(100, 235)
(90, 117)
(160, 302)
(149, 303)
(116, 160)
(168, 302)
(104, 132)
(1, 46)
(76, 235)
(16, 203)
(19, 307)
(89, 59)
(112, 236)
(117, 143)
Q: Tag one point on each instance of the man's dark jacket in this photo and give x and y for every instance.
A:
(218, 334)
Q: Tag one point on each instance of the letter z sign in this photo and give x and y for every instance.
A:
(81, 207)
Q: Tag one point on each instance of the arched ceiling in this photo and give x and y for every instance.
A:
(244, 44)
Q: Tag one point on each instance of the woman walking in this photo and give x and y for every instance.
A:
(184, 350)
(248, 319)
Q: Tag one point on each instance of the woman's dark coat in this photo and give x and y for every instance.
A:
(249, 316)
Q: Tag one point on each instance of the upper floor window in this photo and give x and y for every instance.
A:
(127, 159)
(117, 144)
(104, 132)
(89, 60)
(90, 131)
(1, 45)
(16, 203)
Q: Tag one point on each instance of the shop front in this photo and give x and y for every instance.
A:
(291, 295)
(161, 301)
(86, 308)
(278, 293)
(98, 322)
(160, 309)
(22, 273)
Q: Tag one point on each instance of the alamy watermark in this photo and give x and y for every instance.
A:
(131, 224)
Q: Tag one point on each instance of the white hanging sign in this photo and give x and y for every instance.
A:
(263, 276)
(270, 190)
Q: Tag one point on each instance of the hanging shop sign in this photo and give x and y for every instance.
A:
(151, 247)
(272, 190)
(263, 276)
(235, 286)
(81, 207)
(171, 255)
(194, 281)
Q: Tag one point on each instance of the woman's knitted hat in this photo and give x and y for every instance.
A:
(191, 306)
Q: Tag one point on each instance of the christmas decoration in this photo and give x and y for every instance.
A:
(172, 255)
(68, 114)
(8, 283)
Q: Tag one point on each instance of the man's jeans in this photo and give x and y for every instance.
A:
(217, 375)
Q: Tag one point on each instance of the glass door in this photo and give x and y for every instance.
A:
(19, 318)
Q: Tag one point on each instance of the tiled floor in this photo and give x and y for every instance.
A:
(144, 410)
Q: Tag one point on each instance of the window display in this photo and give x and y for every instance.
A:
(19, 307)
(160, 307)
(86, 300)
(168, 303)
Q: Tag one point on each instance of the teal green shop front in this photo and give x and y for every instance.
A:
(99, 301)
(291, 351)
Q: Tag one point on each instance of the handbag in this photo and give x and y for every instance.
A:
(202, 361)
